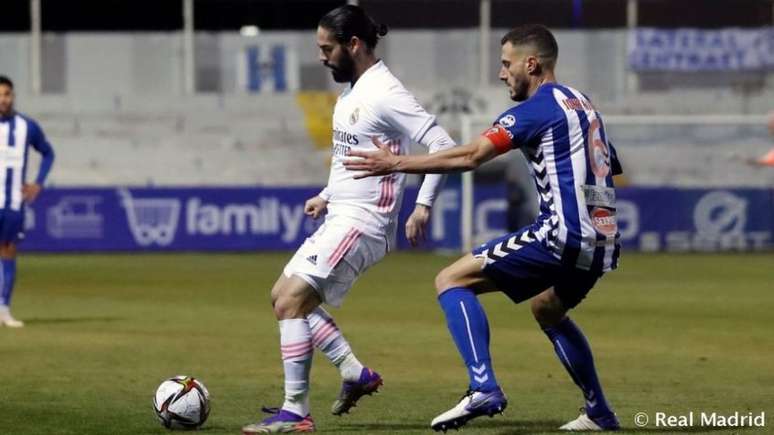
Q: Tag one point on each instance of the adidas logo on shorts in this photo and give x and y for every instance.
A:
(312, 259)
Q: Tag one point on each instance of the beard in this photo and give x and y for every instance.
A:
(518, 92)
(344, 71)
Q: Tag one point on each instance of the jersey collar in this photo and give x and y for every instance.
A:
(379, 64)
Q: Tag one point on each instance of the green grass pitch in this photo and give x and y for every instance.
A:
(671, 333)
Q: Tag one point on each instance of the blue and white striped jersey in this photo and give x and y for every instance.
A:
(17, 134)
(564, 139)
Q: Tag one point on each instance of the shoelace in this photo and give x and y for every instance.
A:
(468, 393)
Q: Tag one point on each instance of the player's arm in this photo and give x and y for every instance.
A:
(400, 111)
(457, 159)
(435, 139)
(40, 143)
(315, 206)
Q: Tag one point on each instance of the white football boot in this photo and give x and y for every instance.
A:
(473, 404)
(584, 423)
(7, 320)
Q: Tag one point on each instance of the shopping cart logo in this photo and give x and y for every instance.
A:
(151, 220)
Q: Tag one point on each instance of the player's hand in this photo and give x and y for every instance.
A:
(372, 163)
(417, 224)
(315, 207)
(30, 192)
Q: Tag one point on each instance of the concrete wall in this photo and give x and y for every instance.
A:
(97, 66)
(115, 109)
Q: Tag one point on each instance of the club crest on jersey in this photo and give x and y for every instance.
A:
(604, 221)
(507, 121)
(354, 116)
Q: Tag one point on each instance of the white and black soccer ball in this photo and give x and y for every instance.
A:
(182, 402)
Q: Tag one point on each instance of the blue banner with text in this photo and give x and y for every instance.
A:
(247, 219)
(686, 49)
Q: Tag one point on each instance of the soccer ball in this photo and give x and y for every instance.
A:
(182, 402)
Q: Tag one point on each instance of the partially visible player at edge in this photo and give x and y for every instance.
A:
(556, 260)
(17, 133)
(362, 216)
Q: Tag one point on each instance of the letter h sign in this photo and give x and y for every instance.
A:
(264, 70)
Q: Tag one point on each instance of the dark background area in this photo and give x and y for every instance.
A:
(218, 15)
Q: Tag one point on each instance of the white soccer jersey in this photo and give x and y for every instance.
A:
(378, 105)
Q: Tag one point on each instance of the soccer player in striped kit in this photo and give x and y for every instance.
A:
(361, 221)
(556, 260)
(17, 133)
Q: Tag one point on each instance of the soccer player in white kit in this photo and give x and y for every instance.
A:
(361, 221)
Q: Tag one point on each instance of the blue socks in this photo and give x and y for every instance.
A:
(575, 354)
(7, 278)
(468, 326)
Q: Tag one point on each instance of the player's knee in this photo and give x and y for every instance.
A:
(274, 296)
(443, 281)
(547, 309)
(293, 301)
(287, 306)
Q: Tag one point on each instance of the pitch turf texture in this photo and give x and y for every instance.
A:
(671, 333)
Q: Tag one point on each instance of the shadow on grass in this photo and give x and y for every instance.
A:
(516, 427)
(209, 428)
(64, 320)
(693, 429)
(513, 426)
(377, 427)
(552, 426)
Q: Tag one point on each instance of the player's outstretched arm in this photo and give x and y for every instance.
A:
(458, 159)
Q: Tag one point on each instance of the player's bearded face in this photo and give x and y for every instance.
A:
(514, 72)
(342, 68)
(518, 86)
(6, 100)
(335, 56)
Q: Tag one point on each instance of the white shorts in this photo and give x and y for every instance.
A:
(332, 258)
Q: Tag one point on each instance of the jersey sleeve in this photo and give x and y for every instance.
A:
(402, 112)
(514, 128)
(38, 140)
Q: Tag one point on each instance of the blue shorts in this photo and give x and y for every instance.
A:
(521, 269)
(11, 226)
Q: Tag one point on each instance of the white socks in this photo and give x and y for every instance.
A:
(297, 349)
(328, 338)
(297, 340)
